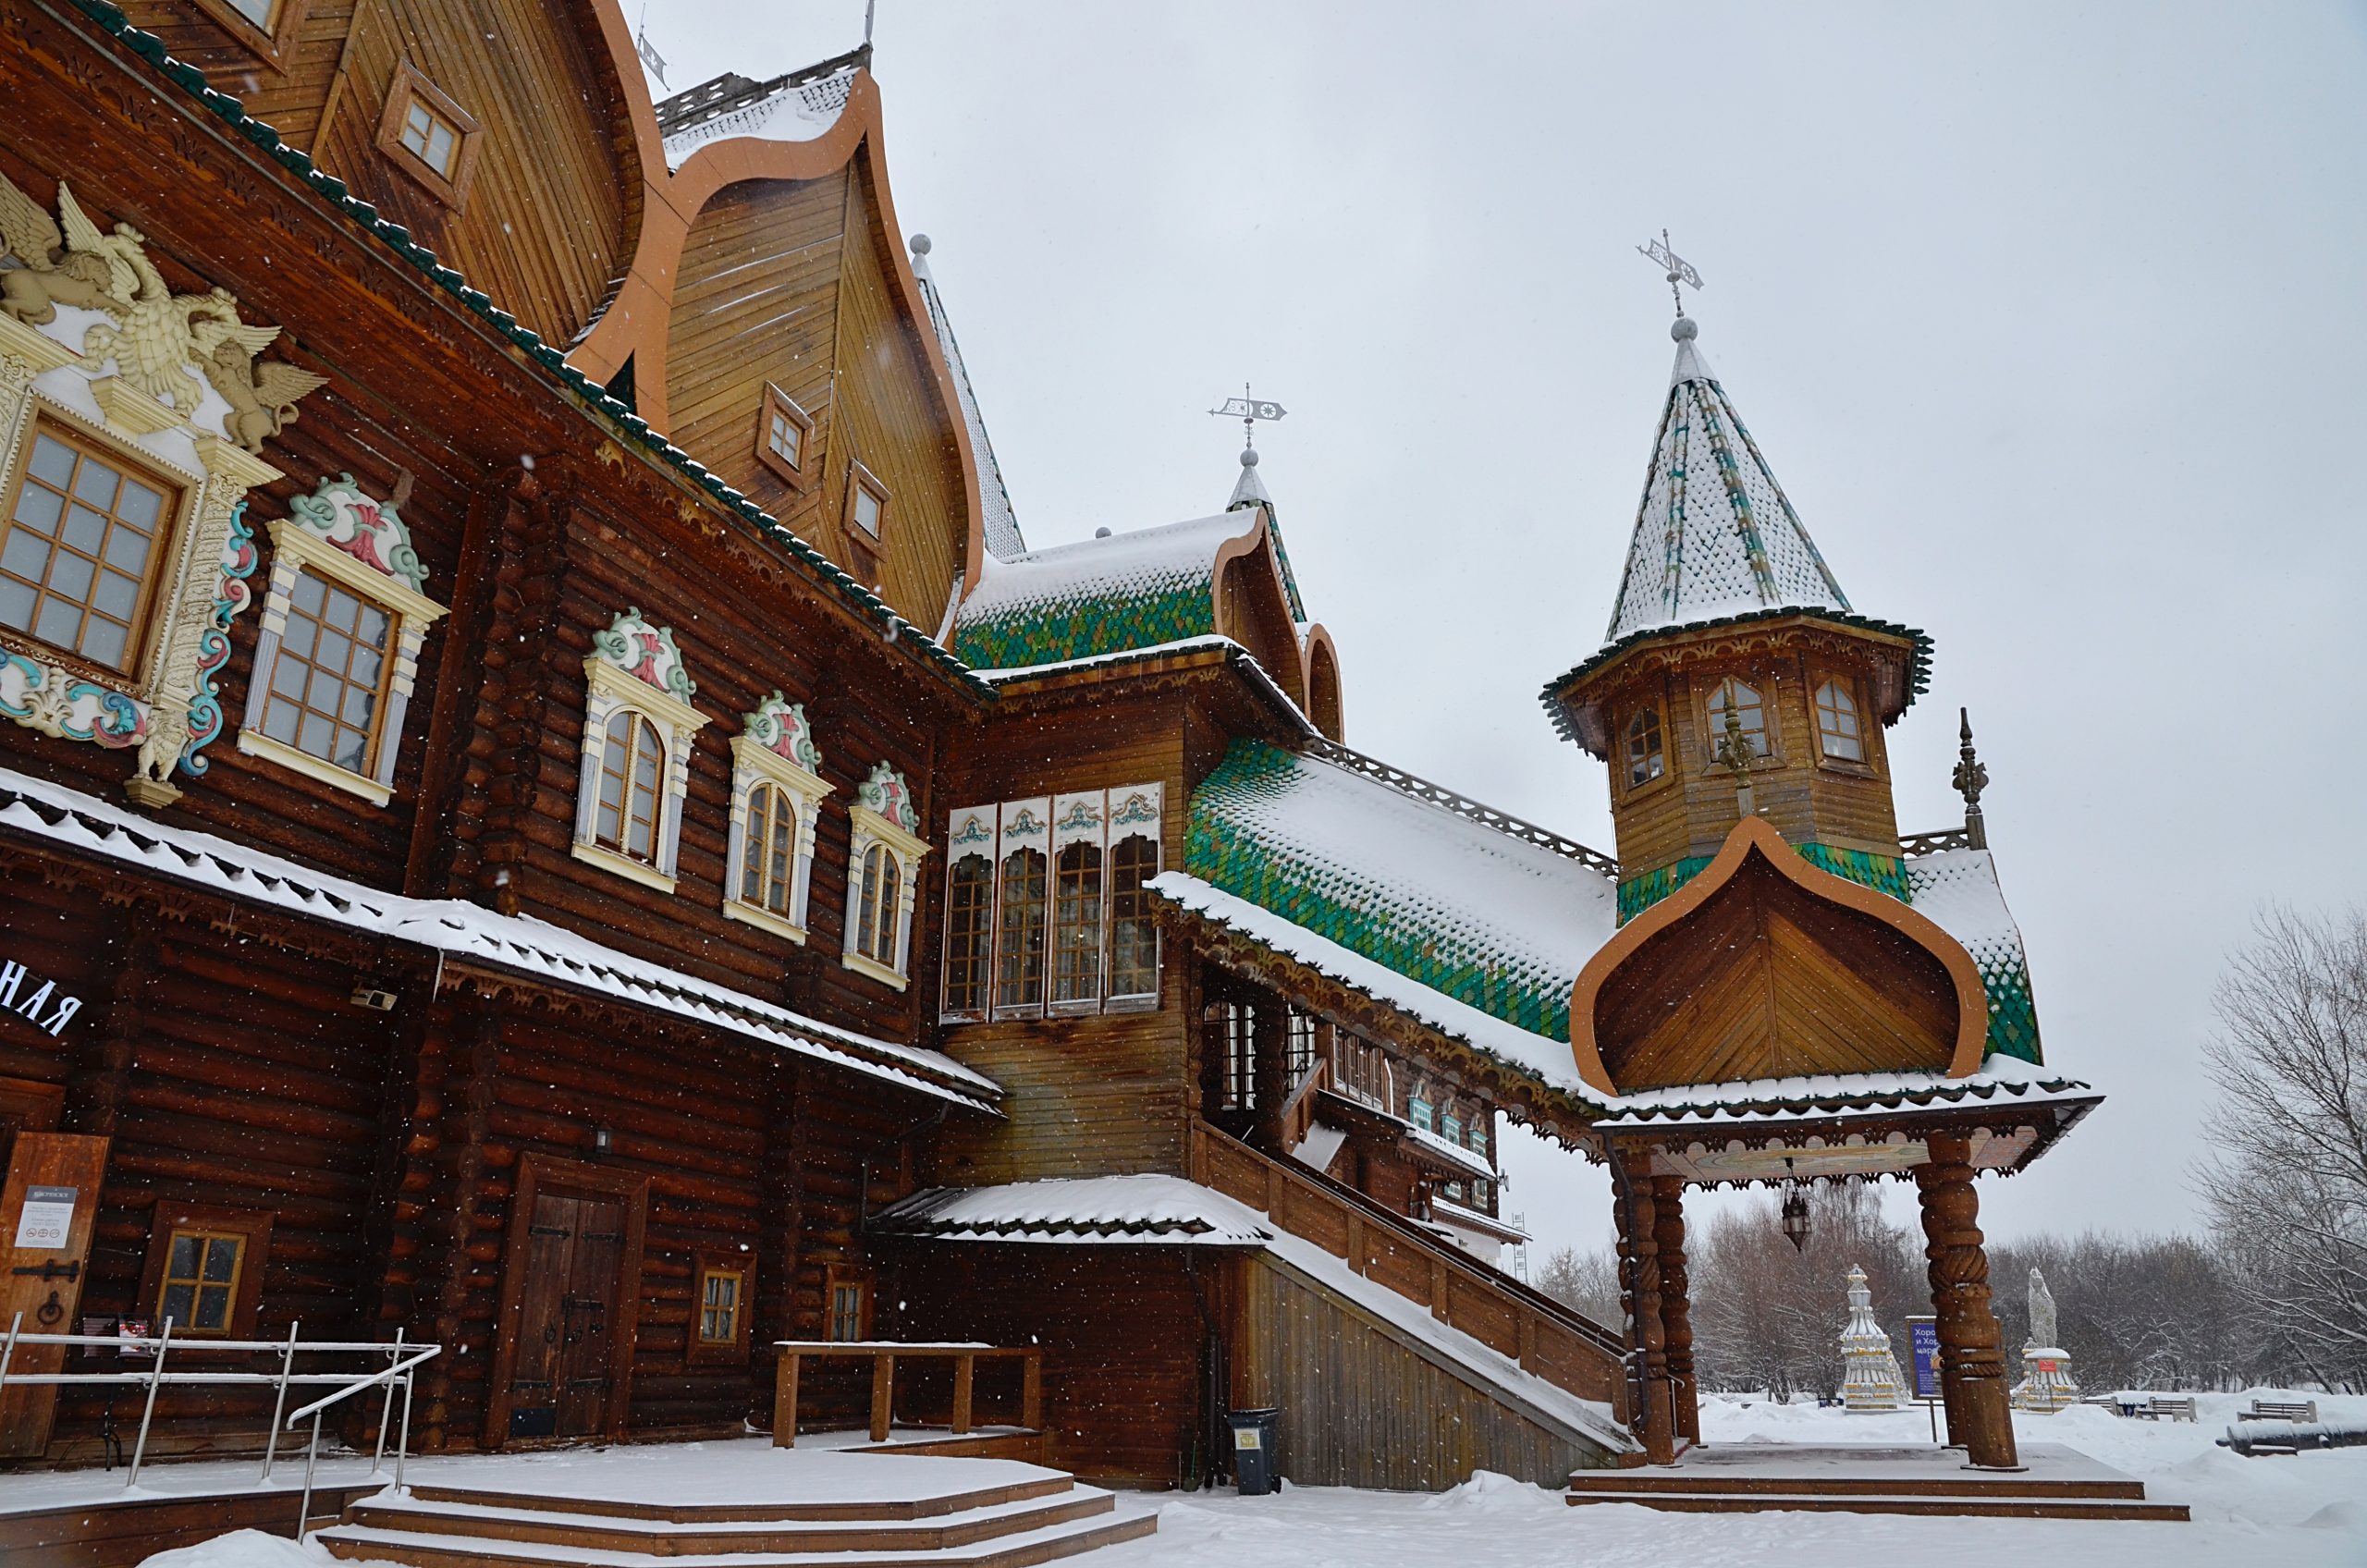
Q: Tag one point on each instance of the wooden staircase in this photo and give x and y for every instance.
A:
(1009, 1523)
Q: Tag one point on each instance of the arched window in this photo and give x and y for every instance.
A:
(1134, 933)
(1644, 761)
(1744, 701)
(1076, 924)
(877, 908)
(969, 934)
(631, 761)
(1019, 942)
(1836, 723)
(767, 868)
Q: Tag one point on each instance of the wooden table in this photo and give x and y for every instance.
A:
(883, 1355)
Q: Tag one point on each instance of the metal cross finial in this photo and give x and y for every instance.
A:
(1248, 410)
(1970, 778)
(1679, 270)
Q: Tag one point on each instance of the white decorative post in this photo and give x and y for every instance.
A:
(2046, 1384)
(1870, 1379)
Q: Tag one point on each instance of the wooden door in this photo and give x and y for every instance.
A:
(46, 1213)
(561, 1374)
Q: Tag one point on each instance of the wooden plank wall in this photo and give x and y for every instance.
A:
(1362, 1407)
(1082, 1096)
(549, 219)
(1122, 1330)
(788, 282)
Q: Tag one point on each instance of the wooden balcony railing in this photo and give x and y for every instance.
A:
(1563, 1347)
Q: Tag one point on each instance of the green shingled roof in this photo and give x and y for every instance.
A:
(1097, 597)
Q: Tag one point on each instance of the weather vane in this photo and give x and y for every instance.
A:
(1248, 410)
(1679, 270)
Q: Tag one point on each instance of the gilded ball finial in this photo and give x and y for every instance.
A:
(1684, 329)
(1249, 456)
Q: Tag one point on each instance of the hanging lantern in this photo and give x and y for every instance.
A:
(1796, 1208)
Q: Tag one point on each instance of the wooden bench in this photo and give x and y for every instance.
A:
(2157, 1408)
(2304, 1412)
(883, 1355)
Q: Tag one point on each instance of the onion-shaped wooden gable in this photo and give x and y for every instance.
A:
(1763, 966)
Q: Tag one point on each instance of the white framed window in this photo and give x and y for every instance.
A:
(776, 793)
(784, 436)
(1046, 909)
(1839, 733)
(883, 869)
(638, 730)
(343, 619)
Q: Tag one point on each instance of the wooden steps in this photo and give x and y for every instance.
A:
(1007, 1525)
(2057, 1484)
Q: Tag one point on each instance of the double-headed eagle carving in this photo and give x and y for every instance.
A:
(154, 335)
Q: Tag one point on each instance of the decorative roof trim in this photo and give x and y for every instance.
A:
(1421, 788)
(1751, 836)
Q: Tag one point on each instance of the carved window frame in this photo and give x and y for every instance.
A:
(166, 707)
(253, 1226)
(697, 1349)
(756, 764)
(411, 85)
(907, 848)
(1862, 766)
(803, 474)
(272, 43)
(609, 690)
(297, 549)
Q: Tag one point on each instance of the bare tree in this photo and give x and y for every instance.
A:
(2287, 1189)
(1586, 1281)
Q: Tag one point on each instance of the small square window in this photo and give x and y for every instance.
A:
(266, 29)
(724, 1279)
(785, 437)
(205, 1269)
(428, 136)
(850, 1309)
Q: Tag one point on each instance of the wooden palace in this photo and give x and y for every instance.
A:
(552, 810)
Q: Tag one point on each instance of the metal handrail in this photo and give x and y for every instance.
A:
(403, 1361)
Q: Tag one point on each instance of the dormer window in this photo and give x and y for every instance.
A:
(784, 437)
(428, 136)
(1839, 735)
(1747, 707)
(1644, 760)
(867, 503)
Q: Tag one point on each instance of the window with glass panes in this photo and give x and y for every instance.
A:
(84, 542)
(1836, 723)
(1300, 1044)
(879, 907)
(1230, 1039)
(1019, 944)
(720, 1295)
(1644, 760)
(430, 138)
(631, 761)
(1744, 699)
(969, 935)
(869, 503)
(1133, 930)
(850, 1302)
(200, 1284)
(330, 676)
(1076, 924)
(768, 865)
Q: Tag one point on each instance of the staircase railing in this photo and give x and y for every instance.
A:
(1565, 1348)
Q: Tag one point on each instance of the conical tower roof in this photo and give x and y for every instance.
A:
(1714, 535)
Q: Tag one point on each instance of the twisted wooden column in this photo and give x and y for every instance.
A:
(1677, 1305)
(1973, 1361)
(1647, 1337)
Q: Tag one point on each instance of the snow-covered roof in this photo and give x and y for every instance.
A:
(1440, 891)
(1166, 1209)
(1452, 1214)
(1169, 1210)
(518, 943)
(1452, 1153)
(800, 106)
(1001, 524)
(1098, 595)
(1714, 534)
(2002, 1080)
(1957, 891)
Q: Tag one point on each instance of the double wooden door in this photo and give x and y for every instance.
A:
(563, 1374)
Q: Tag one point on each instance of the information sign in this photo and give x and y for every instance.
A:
(1923, 1334)
(47, 1217)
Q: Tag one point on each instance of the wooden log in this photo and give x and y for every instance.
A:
(785, 1399)
(883, 1385)
(1676, 1307)
(1972, 1360)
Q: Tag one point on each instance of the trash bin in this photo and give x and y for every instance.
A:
(1253, 1449)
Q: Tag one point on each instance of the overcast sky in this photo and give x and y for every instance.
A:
(2049, 319)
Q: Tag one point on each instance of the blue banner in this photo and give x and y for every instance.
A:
(1923, 1333)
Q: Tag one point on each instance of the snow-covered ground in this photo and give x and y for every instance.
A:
(2308, 1510)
